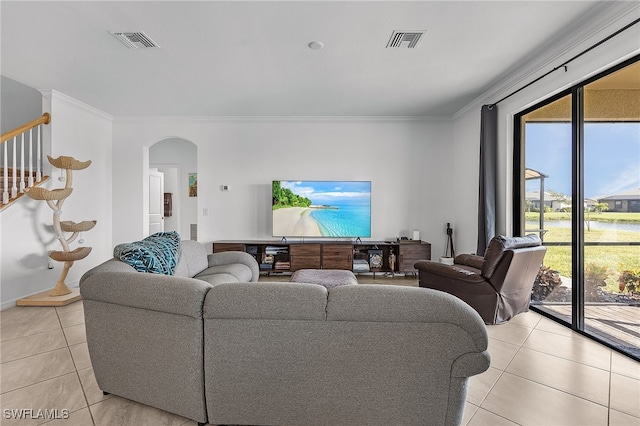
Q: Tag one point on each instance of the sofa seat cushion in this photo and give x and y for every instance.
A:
(241, 273)
(215, 279)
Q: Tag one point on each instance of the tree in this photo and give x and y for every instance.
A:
(601, 207)
(562, 198)
(284, 197)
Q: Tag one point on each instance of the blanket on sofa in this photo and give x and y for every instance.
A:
(159, 253)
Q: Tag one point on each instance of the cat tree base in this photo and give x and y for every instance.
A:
(43, 299)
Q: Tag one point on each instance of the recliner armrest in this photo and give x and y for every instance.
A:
(457, 272)
(472, 260)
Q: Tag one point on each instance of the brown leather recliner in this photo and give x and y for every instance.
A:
(497, 285)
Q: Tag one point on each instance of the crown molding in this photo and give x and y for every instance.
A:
(51, 94)
(283, 119)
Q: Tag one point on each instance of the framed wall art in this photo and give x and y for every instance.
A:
(193, 184)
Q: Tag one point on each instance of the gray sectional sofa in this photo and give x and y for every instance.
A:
(279, 353)
(214, 268)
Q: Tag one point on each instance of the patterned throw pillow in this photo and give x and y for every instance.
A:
(157, 254)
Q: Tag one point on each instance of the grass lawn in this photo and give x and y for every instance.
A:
(622, 217)
(614, 258)
(593, 235)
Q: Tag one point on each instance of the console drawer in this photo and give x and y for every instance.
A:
(337, 256)
(305, 256)
(219, 247)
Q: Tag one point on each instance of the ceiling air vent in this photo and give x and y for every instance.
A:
(134, 40)
(405, 39)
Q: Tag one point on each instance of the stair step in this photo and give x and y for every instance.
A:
(18, 179)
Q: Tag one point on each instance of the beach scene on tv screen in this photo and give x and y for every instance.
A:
(321, 208)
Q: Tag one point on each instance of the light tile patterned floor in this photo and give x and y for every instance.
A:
(541, 374)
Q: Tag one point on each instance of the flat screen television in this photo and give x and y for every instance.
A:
(321, 208)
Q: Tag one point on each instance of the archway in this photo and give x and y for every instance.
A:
(177, 159)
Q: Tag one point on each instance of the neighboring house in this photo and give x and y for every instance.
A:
(626, 201)
(554, 202)
(590, 203)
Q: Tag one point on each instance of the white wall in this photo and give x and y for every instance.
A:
(467, 124)
(400, 157)
(27, 234)
(19, 104)
(169, 155)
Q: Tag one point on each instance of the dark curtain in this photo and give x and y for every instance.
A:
(488, 176)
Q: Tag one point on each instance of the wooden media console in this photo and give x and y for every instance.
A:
(290, 256)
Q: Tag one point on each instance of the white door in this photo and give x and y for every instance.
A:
(156, 201)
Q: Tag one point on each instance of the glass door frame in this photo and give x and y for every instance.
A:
(577, 186)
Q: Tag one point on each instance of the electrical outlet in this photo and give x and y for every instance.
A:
(205, 212)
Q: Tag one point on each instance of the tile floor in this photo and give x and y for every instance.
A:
(541, 374)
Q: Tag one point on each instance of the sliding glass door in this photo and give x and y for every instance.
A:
(577, 171)
(547, 143)
(611, 221)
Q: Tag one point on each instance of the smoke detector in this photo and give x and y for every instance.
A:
(406, 39)
(134, 39)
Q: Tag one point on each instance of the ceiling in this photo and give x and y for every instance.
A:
(251, 58)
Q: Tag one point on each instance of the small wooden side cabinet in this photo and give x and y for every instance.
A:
(410, 252)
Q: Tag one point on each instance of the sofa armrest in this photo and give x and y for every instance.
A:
(471, 364)
(145, 338)
(457, 272)
(472, 260)
(112, 265)
(229, 257)
(162, 293)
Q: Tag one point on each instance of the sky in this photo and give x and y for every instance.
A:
(326, 192)
(611, 157)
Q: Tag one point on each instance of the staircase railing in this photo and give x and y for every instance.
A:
(14, 143)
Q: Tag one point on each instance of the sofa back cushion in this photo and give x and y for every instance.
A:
(266, 301)
(111, 265)
(499, 244)
(193, 260)
(391, 303)
(383, 355)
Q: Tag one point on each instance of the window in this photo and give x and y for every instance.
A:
(577, 172)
